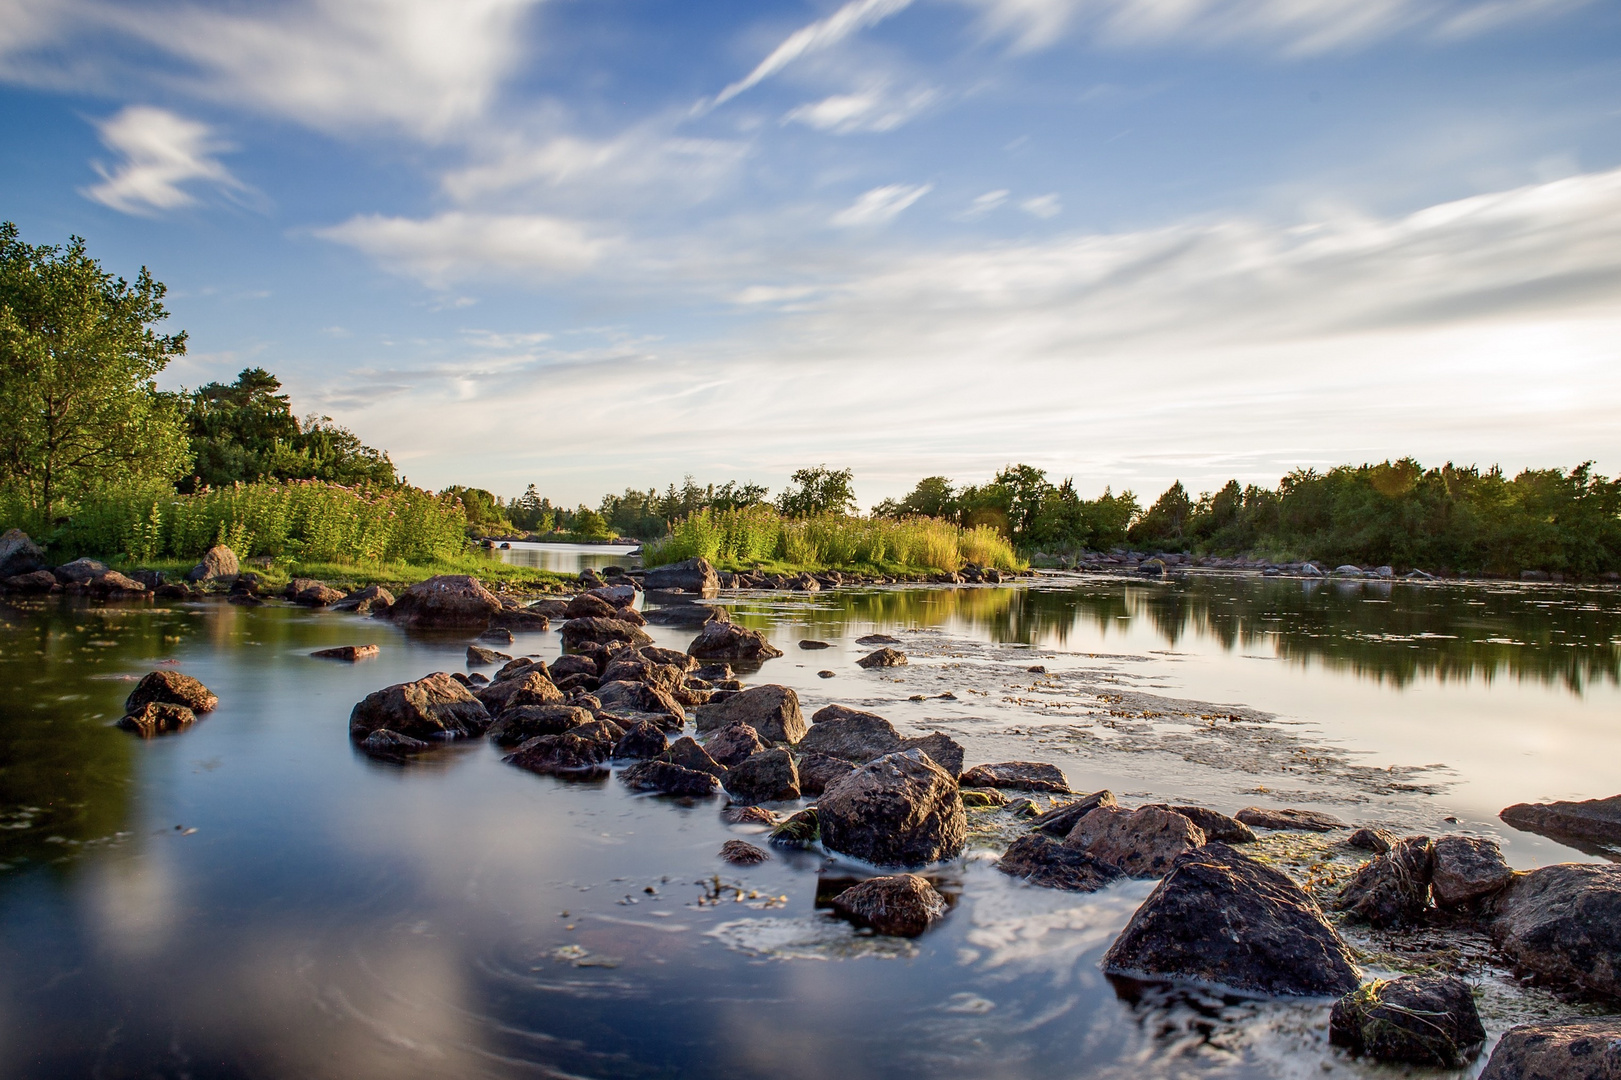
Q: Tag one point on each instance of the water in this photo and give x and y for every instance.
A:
(569, 558)
(252, 898)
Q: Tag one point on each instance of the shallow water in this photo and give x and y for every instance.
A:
(253, 898)
(568, 558)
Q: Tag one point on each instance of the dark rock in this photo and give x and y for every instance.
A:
(478, 655)
(372, 600)
(642, 698)
(80, 571)
(530, 688)
(433, 707)
(818, 772)
(1377, 841)
(899, 810)
(602, 730)
(768, 776)
(743, 853)
(158, 718)
(669, 779)
(877, 639)
(642, 741)
(942, 749)
(693, 576)
(1392, 889)
(347, 652)
(391, 745)
(882, 658)
(218, 562)
(19, 555)
(852, 734)
(686, 752)
(1261, 817)
(1140, 843)
(748, 815)
(825, 674)
(111, 583)
(1563, 923)
(310, 593)
(1584, 1049)
(727, 641)
(576, 632)
(523, 620)
(734, 743)
(518, 724)
(587, 606)
(495, 635)
(1214, 825)
(564, 666)
(172, 688)
(514, 669)
(682, 662)
(898, 905)
(561, 755)
(771, 710)
(1043, 861)
(448, 600)
(1062, 818)
(685, 615)
(35, 581)
(1017, 776)
(808, 643)
(800, 831)
(629, 665)
(1414, 1020)
(713, 674)
(1467, 869)
(1593, 819)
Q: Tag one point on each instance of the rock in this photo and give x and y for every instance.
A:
(311, 593)
(897, 905)
(1563, 923)
(748, 815)
(1392, 889)
(19, 555)
(158, 718)
(743, 853)
(35, 581)
(1584, 1049)
(1141, 843)
(1297, 820)
(693, 576)
(981, 798)
(1377, 841)
(391, 745)
(600, 730)
(720, 640)
(877, 639)
(669, 779)
(218, 562)
(478, 656)
(1043, 861)
(826, 674)
(642, 698)
(113, 584)
(587, 606)
(898, 810)
(734, 743)
(808, 643)
(518, 724)
(567, 754)
(800, 831)
(685, 615)
(640, 742)
(346, 652)
(631, 666)
(686, 752)
(80, 571)
(1017, 776)
(714, 674)
(852, 734)
(818, 772)
(771, 710)
(1349, 570)
(433, 707)
(1221, 917)
(576, 632)
(1414, 1020)
(882, 658)
(768, 776)
(448, 600)
(173, 688)
(495, 635)
(372, 600)
(515, 669)
(1467, 869)
(678, 660)
(1215, 826)
(564, 666)
(942, 749)
(530, 688)
(523, 620)
(620, 593)
(1593, 819)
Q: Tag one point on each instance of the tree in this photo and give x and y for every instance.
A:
(1166, 519)
(933, 497)
(79, 353)
(819, 490)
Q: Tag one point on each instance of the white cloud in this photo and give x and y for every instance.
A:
(872, 109)
(458, 245)
(881, 204)
(984, 204)
(160, 153)
(824, 33)
(644, 157)
(1042, 206)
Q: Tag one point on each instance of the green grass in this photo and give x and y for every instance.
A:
(394, 575)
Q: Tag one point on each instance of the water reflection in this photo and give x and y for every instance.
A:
(569, 558)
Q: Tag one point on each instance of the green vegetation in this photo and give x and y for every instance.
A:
(1024, 506)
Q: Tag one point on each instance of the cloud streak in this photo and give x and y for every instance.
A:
(823, 34)
(161, 153)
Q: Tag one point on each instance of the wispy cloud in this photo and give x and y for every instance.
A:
(1042, 206)
(983, 204)
(824, 33)
(874, 109)
(160, 154)
(454, 246)
(881, 204)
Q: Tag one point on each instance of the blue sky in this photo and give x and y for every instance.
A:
(592, 245)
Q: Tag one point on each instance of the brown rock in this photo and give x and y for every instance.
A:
(1585, 1049)
(1043, 861)
(172, 688)
(771, 710)
(897, 905)
(433, 707)
(1391, 889)
(899, 810)
(882, 658)
(725, 640)
(768, 776)
(734, 743)
(1466, 870)
(743, 853)
(347, 652)
(1017, 776)
(1140, 843)
(1290, 819)
(448, 600)
(158, 718)
(1593, 819)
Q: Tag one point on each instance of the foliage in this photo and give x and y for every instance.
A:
(818, 490)
(649, 515)
(79, 410)
(486, 516)
(1021, 504)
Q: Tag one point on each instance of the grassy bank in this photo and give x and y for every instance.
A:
(391, 575)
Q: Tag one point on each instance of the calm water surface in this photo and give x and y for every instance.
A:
(252, 898)
(569, 558)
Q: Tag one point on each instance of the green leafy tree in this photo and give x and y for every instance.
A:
(932, 497)
(819, 490)
(1166, 520)
(80, 410)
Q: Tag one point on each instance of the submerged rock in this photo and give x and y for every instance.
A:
(768, 776)
(899, 810)
(568, 754)
(495, 635)
(518, 724)
(801, 830)
(1391, 889)
(749, 815)
(877, 639)
(1466, 869)
(391, 745)
(1290, 819)
(372, 600)
(1414, 1020)
(882, 658)
(172, 688)
(724, 640)
(1017, 776)
(158, 718)
(771, 710)
(695, 577)
(448, 600)
(1220, 917)
(478, 655)
(743, 853)
(433, 707)
(1043, 861)
(1584, 1049)
(1140, 843)
(1593, 819)
(667, 778)
(350, 653)
(897, 905)
(809, 643)
(1563, 923)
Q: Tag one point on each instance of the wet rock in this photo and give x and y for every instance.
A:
(852, 734)
(682, 662)
(80, 571)
(172, 688)
(882, 658)
(495, 635)
(518, 724)
(1221, 917)
(748, 815)
(1043, 861)
(218, 562)
(1414, 1020)
(642, 741)
(686, 752)
(679, 614)
(1214, 825)
(530, 688)
(771, 710)
(448, 600)
(695, 577)
(642, 698)
(1141, 843)
(734, 743)
(1017, 776)
(720, 640)
(308, 592)
(521, 619)
(112, 584)
(478, 656)
(1261, 817)
(897, 905)
(35, 581)
(801, 830)
(630, 666)
(818, 772)
(714, 674)
(1377, 841)
(899, 810)
(372, 600)
(809, 643)
(566, 755)
(564, 666)
(743, 853)
(603, 730)
(391, 745)
(1585, 1049)
(1392, 889)
(825, 674)
(768, 776)
(981, 798)
(942, 749)
(1563, 923)
(1467, 869)
(433, 707)
(669, 779)
(514, 669)
(877, 639)
(587, 606)
(1593, 819)
(158, 718)
(350, 653)
(19, 555)
(577, 632)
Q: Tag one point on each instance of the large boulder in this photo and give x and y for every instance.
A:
(35, 581)
(530, 688)
(1141, 843)
(667, 778)
(899, 905)
(309, 592)
(433, 707)
(449, 600)
(771, 710)
(1465, 870)
(567, 755)
(80, 571)
(898, 810)
(818, 772)
(629, 665)
(1221, 917)
(725, 640)
(1043, 861)
(19, 554)
(110, 583)
(1413, 1020)
(218, 562)
(641, 741)
(734, 743)
(1593, 819)
(171, 688)
(1585, 1049)
(851, 734)
(587, 606)
(686, 753)
(1563, 922)
(519, 724)
(695, 577)
(768, 776)
(578, 632)
(158, 718)
(1215, 825)
(1392, 889)
(636, 697)
(1018, 776)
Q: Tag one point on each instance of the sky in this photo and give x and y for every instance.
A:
(601, 245)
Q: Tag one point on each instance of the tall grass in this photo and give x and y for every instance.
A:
(306, 520)
(759, 534)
